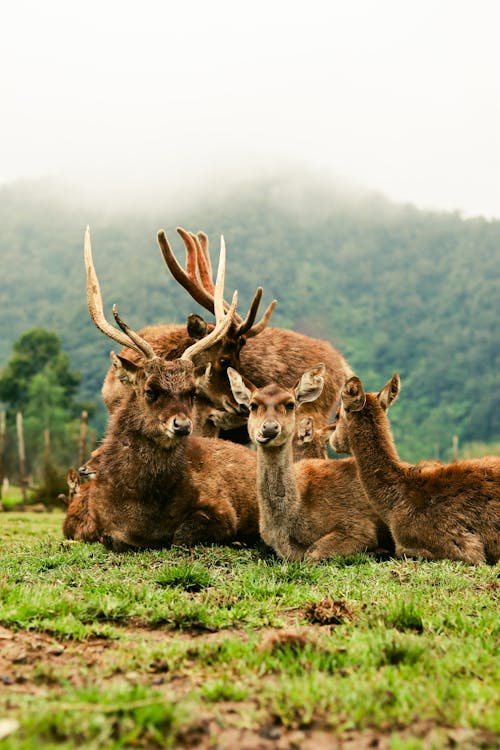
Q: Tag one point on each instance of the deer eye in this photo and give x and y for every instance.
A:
(253, 406)
(223, 362)
(290, 406)
(150, 394)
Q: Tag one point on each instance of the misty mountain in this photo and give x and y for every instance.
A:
(393, 287)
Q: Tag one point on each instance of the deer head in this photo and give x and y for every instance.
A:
(272, 409)
(163, 391)
(353, 400)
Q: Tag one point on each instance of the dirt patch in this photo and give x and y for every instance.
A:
(206, 734)
(328, 612)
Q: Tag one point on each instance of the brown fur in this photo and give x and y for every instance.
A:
(314, 508)
(156, 487)
(433, 510)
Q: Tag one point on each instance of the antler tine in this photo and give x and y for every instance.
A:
(191, 258)
(191, 286)
(218, 332)
(94, 299)
(252, 312)
(263, 322)
(219, 283)
(204, 263)
(141, 344)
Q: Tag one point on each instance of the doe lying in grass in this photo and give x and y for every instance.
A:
(313, 508)
(434, 511)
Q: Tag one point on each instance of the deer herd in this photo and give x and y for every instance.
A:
(181, 400)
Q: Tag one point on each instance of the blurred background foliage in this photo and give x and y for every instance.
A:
(391, 286)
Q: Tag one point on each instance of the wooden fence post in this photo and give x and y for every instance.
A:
(22, 456)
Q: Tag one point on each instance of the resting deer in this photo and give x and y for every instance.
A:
(433, 510)
(156, 484)
(260, 353)
(314, 508)
(79, 522)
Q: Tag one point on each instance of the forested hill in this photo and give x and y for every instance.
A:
(394, 288)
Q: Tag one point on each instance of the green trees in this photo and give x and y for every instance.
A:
(35, 352)
(394, 288)
(38, 382)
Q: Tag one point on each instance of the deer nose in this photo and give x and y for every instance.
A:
(270, 429)
(182, 426)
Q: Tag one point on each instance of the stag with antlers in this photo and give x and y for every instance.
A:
(261, 354)
(156, 484)
(169, 341)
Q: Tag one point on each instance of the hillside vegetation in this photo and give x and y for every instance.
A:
(394, 288)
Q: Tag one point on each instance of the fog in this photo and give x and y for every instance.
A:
(132, 100)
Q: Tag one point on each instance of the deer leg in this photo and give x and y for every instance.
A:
(340, 543)
(207, 525)
(473, 556)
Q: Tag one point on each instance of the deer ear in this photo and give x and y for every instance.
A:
(305, 430)
(389, 392)
(242, 394)
(353, 395)
(202, 375)
(196, 327)
(126, 371)
(310, 385)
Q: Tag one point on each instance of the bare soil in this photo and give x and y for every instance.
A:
(31, 662)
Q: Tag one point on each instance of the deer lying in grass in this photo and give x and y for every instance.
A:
(155, 484)
(433, 510)
(260, 353)
(79, 522)
(314, 508)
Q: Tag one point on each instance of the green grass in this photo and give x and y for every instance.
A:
(148, 650)
(14, 497)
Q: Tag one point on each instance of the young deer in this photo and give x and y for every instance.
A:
(155, 484)
(314, 508)
(433, 510)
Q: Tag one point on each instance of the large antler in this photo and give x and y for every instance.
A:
(130, 338)
(197, 280)
(94, 298)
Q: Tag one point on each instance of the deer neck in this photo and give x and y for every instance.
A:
(377, 460)
(140, 463)
(277, 488)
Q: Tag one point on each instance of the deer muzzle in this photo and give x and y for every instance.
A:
(181, 426)
(269, 430)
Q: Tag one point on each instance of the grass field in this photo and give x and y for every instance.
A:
(227, 647)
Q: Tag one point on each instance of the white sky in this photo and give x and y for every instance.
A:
(402, 97)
